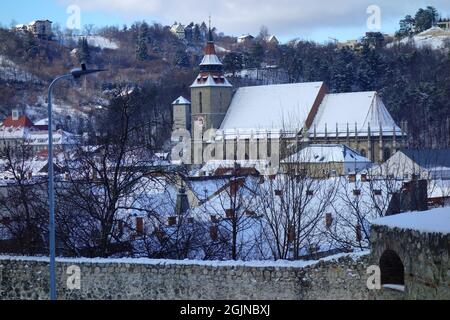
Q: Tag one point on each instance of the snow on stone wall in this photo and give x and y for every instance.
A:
(424, 256)
(339, 277)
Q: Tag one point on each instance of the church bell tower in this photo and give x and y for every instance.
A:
(211, 93)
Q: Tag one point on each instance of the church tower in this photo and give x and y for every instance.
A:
(211, 93)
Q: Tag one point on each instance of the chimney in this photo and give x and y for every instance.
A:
(172, 221)
(358, 233)
(140, 226)
(15, 114)
(329, 220)
(214, 233)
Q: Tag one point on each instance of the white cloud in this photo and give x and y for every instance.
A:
(283, 17)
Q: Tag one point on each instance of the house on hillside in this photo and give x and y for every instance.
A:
(272, 40)
(41, 29)
(178, 30)
(245, 38)
(444, 24)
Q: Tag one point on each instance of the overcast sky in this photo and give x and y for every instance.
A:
(287, 19)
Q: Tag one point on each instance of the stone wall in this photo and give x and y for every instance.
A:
(425, 258)
(340, 277)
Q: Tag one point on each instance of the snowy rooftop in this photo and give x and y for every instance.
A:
(209, 82)
(210, 59)
(325, 153)
(432, 221)
(181, 100)
(347, 110)
(284, 106)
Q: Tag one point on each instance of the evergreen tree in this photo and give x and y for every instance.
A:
(145, 31)
(256, 55)
(406, 27)
(292, 62)
(197, 33)
(31, 47)
(83, 51)
(343, 71)
(233, 62)
(141, 48)
(182, 59)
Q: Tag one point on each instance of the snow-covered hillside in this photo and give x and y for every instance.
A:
(435, 37)
(12, 72)
(95, 41)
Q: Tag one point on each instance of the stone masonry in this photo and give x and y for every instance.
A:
(343, 277)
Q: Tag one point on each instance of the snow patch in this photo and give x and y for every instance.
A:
(262, 264)
(435, 37)
(432, 221)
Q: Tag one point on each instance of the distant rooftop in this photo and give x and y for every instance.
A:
(428, 158)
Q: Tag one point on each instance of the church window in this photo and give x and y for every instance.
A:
(363, 152)
(200, 101)
(386, 154)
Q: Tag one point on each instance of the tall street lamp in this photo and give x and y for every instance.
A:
(74, 74)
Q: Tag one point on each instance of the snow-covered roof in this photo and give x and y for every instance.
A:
(211, 83)
(210, 59)
(59, 137)
(212, 165)
(271, 38)
(178, 27)
(42, 122)
(246, 36)
(285, 106)
(349, 110)
(326, 153)
(432, 221)
(181, 100)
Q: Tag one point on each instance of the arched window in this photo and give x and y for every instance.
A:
(386, 154)
(392, 271)
(363, 152)
(200, 102)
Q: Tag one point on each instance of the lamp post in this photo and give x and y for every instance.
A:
(74, 74)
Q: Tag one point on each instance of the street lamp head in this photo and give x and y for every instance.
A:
(79, 72)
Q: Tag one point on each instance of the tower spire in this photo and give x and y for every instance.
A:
(210, 34)
(211, 68)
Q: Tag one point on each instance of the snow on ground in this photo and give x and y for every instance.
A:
(432, 221)
(95, 41)
(11, 71)
(221, 49)
(281, 263)
(435, 37)
(102, 42)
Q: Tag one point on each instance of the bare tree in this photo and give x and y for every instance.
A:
(23, 207)
(234, 213)
(293, 205)
(103, 175)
